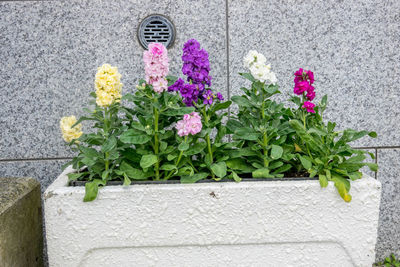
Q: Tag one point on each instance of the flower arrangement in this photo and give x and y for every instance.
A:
(174, 128)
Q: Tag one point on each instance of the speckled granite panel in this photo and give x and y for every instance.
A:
(352, 47)
(45, 171)
(50, 51)
(389, 222)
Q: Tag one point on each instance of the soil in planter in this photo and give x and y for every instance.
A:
(246, 177)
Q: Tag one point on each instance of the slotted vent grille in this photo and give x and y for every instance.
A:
(156, 28)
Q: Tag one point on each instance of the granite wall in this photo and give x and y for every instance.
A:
(50, 51)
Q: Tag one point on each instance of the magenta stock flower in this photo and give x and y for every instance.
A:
(156, 66)
(303, 81)
(191, 124)
(304, 75)
(310, 93)
(309, 106)
(301, 87)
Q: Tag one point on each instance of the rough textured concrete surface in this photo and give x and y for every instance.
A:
(21, 236)
(389, 224)
(276, 223)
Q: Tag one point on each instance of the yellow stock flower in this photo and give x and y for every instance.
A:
(108, 85)
(69, 133)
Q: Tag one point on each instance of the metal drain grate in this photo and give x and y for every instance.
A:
(156, 28)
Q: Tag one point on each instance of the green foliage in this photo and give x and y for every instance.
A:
(389, 262)
(325, 152)
(275, 140)
(262, 130)
(138, 141)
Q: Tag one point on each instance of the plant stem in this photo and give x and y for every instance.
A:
(208, 140)
(156, 145)
(106, 134)
(304, 122)
(265, 142)
(177, 162)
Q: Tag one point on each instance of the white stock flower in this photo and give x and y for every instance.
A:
(263, 72)
(253, 57)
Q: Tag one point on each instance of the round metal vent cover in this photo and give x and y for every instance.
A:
(156, 29)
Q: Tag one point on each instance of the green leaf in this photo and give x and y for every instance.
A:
(323, 181)
(127, 181)
(246, 133)
(197, 148)
(178, 112)
(148, 160)
(132, 173)
(167, 167)
(239, 164)
(74, 176)
(276, 152)
(241, 101)
(261, 173)
(134, 137)
(219, 169)
(343, 187)
(236, 177)
(372, 166)
(248, 76)
(137, 125)
(89, 152)
(171, 79)
(305, 162)
(282, 169)
(222, 105)
(109, 145)
(232, 125)
(236, 153)
(171, 156)
(328, 174)
(355, 175)
(91, 189)
(183, 146)
(189, 179)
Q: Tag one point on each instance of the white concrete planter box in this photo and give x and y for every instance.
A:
(269, 223)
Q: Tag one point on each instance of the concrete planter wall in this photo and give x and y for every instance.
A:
(278, 223)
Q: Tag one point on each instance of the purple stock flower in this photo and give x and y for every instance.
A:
(196, 67)
(187, 90)
(208, 97)
(191, 44)
(196, 64)
(220, 97)
(176, 86)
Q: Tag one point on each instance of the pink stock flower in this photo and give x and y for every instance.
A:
(182, 129)
(156, 66)
(157, 49)
(191, 124)
(160, 85)
(309, 106)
